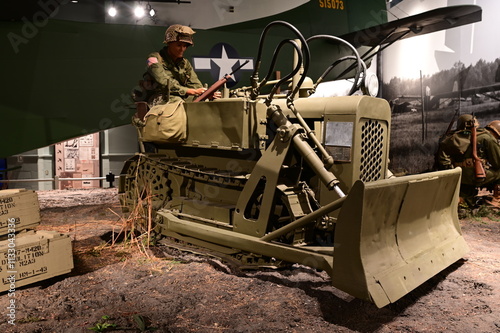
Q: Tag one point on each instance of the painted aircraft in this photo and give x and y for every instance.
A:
(459, 93)
(64, 79)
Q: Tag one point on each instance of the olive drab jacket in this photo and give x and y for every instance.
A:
(456, 151)
(180, 76)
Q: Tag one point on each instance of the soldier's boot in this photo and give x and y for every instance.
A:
(496, 192)
(495, 200)
(468, 197)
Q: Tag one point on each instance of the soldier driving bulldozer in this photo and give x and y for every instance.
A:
(168, 82)
(477, 151)
(171, 71)
(170, 77)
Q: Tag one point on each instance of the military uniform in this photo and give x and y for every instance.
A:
(180, 75)
(171, 79)
(168, 75)
(457, 152)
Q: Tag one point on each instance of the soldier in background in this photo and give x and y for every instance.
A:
(494, 129)
(455, 150)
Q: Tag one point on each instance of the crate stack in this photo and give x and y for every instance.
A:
(28, 255)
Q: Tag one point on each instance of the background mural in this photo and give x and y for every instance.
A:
(432, 79)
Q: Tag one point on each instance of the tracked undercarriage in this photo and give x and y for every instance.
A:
(153, 179)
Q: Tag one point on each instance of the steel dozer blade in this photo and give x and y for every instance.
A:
(394, 234)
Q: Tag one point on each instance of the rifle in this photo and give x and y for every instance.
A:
(213, 88)
(448, 130)
(478, 166)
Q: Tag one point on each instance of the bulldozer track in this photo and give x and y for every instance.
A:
(152, 171)
(187, 169)
(235, 261)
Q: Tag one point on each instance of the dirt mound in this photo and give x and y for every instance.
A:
(77, 197)
(122, 289)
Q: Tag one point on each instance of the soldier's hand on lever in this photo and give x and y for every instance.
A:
(195, 92)
(199, 91)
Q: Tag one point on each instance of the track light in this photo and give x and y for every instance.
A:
(112, 11)
(150, 10)
(139, 11)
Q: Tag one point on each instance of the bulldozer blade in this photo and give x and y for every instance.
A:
(394, 234)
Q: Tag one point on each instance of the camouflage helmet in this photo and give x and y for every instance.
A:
(179, 33)
(494, 127)
(465, 120)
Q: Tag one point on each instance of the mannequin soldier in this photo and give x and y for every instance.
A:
(456, 151)
(169, 66)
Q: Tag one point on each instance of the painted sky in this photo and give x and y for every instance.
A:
(438, 51)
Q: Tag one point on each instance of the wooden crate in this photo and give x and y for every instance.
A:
(19, 210)
(33, 256)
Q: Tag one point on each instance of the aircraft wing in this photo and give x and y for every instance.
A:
(375, 39)
(416, 25)
(483, 90)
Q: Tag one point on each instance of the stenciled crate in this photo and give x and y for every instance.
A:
(19, 210)
(33, 256)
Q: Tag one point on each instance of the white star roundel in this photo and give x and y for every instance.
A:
(223, 60)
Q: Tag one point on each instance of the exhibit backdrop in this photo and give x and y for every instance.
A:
(432, 79)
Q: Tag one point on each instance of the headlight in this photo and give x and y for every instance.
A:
(371, 85)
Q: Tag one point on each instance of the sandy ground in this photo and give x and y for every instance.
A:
(119, 288)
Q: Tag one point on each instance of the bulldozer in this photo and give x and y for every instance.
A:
(275, 178)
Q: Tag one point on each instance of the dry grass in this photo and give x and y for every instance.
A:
(136, 226)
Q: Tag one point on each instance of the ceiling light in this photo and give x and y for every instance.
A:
(150, 10)
(139, 11)
(112, 11)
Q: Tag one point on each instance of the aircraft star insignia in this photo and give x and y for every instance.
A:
(225, 64)
(223, 60)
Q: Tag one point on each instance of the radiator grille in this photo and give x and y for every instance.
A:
(372, 148)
